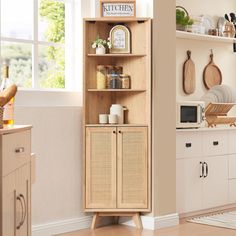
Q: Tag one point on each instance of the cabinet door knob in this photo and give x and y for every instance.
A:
(188, 145)
(19, 149)
(215, 143)
(120, 132)
(114, 132)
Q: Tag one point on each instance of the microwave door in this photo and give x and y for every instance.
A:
(189, 114)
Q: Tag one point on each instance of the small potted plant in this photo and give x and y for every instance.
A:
(100, 45)
(182, 18)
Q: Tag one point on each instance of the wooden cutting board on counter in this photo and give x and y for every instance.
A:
(189, 75)
(212, 75)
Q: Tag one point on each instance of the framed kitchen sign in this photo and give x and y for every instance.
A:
(120, 39)
(118, 8)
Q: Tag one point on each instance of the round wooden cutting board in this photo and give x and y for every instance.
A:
(189, 80)
(212, 75)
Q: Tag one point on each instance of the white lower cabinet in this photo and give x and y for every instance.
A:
(207, 178)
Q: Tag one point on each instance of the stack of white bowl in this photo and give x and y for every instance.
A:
(220, 94)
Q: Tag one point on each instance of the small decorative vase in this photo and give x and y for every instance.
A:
(101, 50)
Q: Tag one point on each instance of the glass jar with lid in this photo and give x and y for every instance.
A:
(125, 81)
(101, 77)
(110, 70)
(118, 70)
(115, 82)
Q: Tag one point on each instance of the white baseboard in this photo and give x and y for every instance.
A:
(61, 227)
(154, 223)
(65, 226)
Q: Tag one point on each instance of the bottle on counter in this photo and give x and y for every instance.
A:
(8, 112)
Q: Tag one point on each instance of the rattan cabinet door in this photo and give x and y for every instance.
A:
(100, 167)
(132, 170)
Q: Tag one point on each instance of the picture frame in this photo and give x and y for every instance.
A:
(118, 8)
(120, 40)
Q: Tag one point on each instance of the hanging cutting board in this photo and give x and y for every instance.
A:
(189, 80)
(212, 75)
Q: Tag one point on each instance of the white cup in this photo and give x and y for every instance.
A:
(103, 118)
(113, 119)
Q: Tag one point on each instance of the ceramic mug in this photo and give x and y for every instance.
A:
(103, 118)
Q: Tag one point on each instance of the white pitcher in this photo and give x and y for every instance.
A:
(117, 109)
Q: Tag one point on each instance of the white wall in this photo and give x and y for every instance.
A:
(223, 53)
(56, 140)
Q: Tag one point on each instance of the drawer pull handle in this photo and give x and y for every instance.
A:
(18, 198)
(19, 150)
(202, 170)
(215, 143)
(188, 145)
(206, 169)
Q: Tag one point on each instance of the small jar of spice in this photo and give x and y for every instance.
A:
(101, 77)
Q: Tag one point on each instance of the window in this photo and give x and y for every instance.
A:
(37, 40)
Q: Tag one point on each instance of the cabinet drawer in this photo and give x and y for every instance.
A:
(188, 144)
(214, 143)
(15, 150)
(232, 141)
(232, 166)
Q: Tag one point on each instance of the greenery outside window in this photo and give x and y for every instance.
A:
(36, 42)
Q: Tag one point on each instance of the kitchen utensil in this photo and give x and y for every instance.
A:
(227, 17)
(233, 17)
(221, 25)
(189, 79)
(212, 75)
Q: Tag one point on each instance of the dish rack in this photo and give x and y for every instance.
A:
(216, 114)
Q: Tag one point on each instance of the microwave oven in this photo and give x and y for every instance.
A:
(190, 114)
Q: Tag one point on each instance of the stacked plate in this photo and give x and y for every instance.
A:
(220, 94)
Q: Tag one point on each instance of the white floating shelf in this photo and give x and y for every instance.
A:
(203, 37)
(116, 90)
(117, 55)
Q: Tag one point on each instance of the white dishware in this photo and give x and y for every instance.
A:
(117, 109)
(103, 118)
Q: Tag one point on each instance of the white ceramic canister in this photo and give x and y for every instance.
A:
(117, 109)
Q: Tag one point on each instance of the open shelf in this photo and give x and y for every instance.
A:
(203, 37)
(116, 90)
(117, 55)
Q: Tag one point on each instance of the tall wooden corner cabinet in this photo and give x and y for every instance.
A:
(15, 182)
(117, 158)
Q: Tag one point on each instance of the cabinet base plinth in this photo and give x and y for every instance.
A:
(135, 216)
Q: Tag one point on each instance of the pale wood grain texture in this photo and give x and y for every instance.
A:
(15, 182)
(137, 119)
(189, 75)
(184, 229)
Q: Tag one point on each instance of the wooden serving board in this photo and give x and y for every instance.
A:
(212, 75)
(189, 75)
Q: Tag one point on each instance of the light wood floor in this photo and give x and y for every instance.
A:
(184, 229)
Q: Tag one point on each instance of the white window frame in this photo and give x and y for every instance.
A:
(74, 24)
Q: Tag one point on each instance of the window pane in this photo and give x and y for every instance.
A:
(51, 67)
(17, 18)
(20, 59)
(51, 21)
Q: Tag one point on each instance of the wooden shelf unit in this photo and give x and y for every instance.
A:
(105, 143)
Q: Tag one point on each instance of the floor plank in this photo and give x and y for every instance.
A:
(184, 229)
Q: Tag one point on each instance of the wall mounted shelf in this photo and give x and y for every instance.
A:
(117, 55)
(203, 37)
(116, 90)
